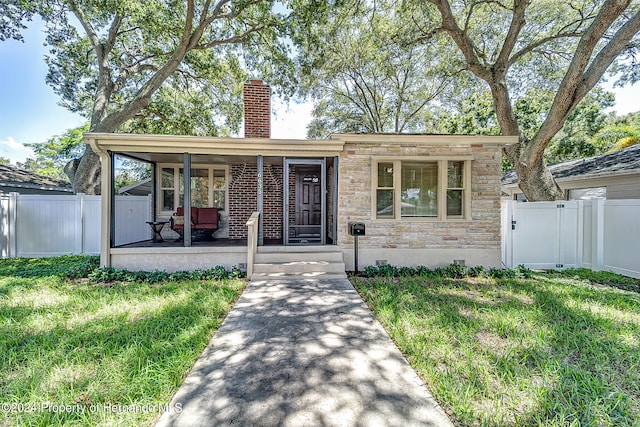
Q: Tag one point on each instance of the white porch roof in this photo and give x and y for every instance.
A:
(148, 147)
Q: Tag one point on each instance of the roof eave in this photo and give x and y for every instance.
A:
(119, 142)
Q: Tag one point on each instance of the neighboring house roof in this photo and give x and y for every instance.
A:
(140, 188)
(610, 164)
(14, 179)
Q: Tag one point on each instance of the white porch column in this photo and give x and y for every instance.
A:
(106, 163)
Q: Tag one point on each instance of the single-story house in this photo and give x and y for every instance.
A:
(424, 199)
(607, 176)
(16, 180)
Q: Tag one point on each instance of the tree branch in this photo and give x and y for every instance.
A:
(517, 22)
(608, 54)
(231, 40)
(86, 25)
(465, 44)
(534, 46)
(113, 33)
(574, 85)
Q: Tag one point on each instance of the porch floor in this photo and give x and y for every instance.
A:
(170, 243)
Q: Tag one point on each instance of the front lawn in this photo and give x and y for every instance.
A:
(113, 353)
(556, 349)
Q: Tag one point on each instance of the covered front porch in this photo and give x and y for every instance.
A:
(289, 184)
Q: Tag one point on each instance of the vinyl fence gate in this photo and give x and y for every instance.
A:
(596, 234)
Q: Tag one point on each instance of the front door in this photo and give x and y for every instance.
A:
(308, 206)
(305, 202)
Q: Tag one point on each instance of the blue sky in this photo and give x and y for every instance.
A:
(29, 110)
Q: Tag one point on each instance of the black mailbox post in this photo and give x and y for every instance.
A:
(356, 229)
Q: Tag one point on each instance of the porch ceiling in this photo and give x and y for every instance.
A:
(169, 147)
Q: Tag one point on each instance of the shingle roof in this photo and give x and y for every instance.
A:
(11, 176)
(627, 160)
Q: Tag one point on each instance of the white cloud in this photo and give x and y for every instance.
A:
(13, 150)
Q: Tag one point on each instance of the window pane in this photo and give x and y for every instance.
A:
(384, 204)
(199, 187)
(419, 189)
(385, 175)
(455, 171)
(167, 200)
(454, 202)
(219, 180)
(167, 177)
(218, 199)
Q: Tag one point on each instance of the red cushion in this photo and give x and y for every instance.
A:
(208, 216)
(194, 213)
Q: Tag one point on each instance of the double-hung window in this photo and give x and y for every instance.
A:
(418, 188)
(208, 187)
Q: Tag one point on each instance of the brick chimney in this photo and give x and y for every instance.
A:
(257, 110)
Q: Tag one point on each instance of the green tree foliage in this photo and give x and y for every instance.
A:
(522, 47)
(577, 138)
(51, 156)
(364, 76)
(619, 132)
(154, 66)
(475, 114)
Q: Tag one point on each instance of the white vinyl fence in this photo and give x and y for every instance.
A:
(596, 234)
(44, 225)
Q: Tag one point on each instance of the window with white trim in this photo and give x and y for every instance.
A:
(208, 187)
(421, 189)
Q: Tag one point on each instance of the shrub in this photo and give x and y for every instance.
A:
(111, 274)
(452, 271)
(478, 271)
(456, 271)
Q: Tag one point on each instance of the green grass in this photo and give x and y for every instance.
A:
(555, 350)
(76, 342)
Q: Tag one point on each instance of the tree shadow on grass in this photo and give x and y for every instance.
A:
(119, 358)
(499, 335)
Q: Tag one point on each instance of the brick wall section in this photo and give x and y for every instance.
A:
(272, 201)
(482, 231)
(257, 110)
(243, 195)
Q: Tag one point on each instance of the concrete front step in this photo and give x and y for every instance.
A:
(299, 261)
(309, 266)
(269, 257)
(298, 275)
(300, 248)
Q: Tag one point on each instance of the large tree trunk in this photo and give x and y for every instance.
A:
(537, 183)
(84, 173)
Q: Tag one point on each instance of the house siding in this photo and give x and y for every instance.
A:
(430, 242)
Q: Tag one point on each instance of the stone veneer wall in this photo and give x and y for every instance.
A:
(481, 232)
(242, 199)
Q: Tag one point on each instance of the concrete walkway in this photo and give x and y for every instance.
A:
(302, 352)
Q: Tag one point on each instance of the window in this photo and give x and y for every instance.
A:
(587, 193)
(384, 194)
(430, 189)
(455, 189)
(208, 187)
(419, 189)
